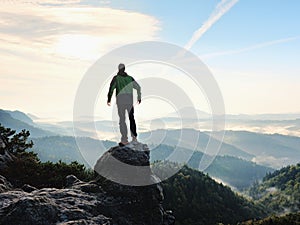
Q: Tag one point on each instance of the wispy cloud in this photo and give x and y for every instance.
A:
(45, 49)
(223, 7)
(53, 29)
(250, 48)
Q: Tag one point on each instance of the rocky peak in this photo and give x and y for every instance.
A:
(127, 165)
(134, 183)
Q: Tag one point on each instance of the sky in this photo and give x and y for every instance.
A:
(252, 48)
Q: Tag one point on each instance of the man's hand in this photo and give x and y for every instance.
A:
(139, 101)
(108, 103)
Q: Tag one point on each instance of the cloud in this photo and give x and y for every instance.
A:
(250, 48)
(271, 161)
(39, 2)
(48, 28)
(223, 7)
(45, 50)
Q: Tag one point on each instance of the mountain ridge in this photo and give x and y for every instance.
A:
(7, 120)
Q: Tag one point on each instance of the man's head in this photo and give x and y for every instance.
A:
(121, 67)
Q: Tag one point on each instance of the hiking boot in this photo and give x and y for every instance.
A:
(123, 143)
(134, 139)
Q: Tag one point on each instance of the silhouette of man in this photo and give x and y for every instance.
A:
(124, 85)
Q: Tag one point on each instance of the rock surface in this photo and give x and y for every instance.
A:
(5, 156)
(100, 202)
(128, 165)
(2, 144)
(4, 185)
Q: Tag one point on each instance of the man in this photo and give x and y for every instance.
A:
(124, 85)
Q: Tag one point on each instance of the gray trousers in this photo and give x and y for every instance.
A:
(122, 108)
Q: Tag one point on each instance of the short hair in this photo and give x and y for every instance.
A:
(121, 66)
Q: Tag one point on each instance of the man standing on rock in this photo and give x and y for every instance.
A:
(124, 85)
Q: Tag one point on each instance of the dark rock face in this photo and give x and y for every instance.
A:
(5, 156)
(4, 185)
(101, 202)
(2, 142)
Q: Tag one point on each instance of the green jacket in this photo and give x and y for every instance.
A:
(124, 85)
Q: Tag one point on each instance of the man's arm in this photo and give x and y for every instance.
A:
(111, 90)
(138, 89)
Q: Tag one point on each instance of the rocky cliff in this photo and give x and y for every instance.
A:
(100, 201)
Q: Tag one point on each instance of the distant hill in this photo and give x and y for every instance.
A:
(7, 120)
(287, 124)
(197, 199)
(230, 170)
(236, 172)
(274, 150)
(172, 137)
(55, 148)
(26, 121)
(20, 116)
(280, 190)
(267, 116)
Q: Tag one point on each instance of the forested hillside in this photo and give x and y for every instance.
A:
(198, 199)
(280, 190)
